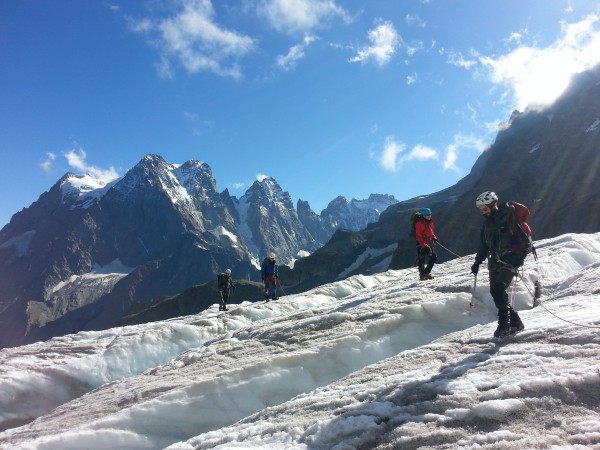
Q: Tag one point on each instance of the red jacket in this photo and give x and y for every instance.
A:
(424, 232)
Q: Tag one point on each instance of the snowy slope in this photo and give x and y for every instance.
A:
(380, 361)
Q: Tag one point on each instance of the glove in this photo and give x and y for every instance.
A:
(475, 268)
(512, 259)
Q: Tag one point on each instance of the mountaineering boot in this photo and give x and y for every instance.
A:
(516, 324)
(274, 298)
(428, 276)
(514, 329)
(503, 329)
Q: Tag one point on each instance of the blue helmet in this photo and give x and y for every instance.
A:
(425, 212)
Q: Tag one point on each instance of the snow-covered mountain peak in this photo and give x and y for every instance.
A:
(378, 202)
(356, 214)
(268, 190)
(153, 165)
(83, 189)
(150, 174)
(157, 211)
(196, 177)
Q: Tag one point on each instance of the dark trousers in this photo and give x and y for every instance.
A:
(426, 260)
(224, 298)
(501, 276)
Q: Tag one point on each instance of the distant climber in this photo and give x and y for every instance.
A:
(269, 276)
(225, 286)
(425, 239)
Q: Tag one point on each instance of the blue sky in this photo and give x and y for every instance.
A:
(329, 97)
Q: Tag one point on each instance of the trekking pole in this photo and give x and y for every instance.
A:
(473, 293)
(513, 294)
(280, 286)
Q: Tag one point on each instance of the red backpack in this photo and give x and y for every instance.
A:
(522, 214)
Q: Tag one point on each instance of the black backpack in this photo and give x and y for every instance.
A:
(413, 221)
(222, 281)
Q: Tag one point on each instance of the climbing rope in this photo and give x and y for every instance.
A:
(448, 250)
(536, 294)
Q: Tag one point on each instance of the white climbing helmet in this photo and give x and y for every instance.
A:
(486, 198)
(271, 255)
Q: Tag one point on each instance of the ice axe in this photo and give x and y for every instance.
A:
(473, 292)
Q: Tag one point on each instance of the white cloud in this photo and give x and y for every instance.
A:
(537, 76)
(421, 152)
(295, 54)
(384, 41)
(77, 160)
(46, 165)
(411, 79)
(462, 141)
(415, 20)
(193, 38)
(388, 159)
(190, 116)
(414, 47)
(261, 177)
(392, 156)
(299, 16)
(459, 60)
(517, 36)
(114, 8)
(164, 69)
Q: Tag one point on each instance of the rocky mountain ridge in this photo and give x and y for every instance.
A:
(547, 159)
(86, 252)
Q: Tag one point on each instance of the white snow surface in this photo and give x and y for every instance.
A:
(108, 275)
(370, 362)
(221, 231)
